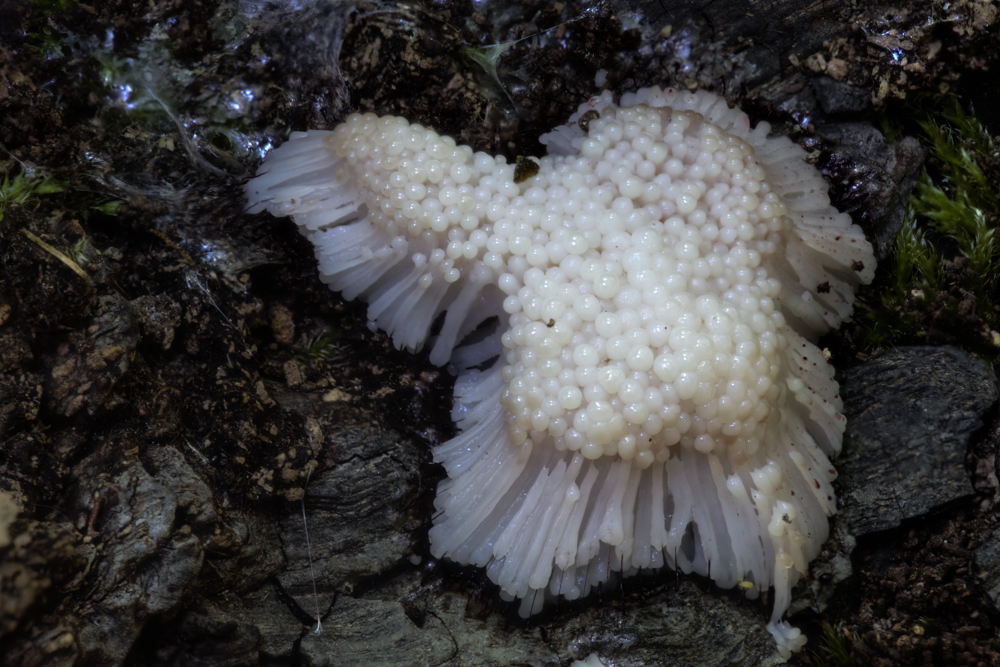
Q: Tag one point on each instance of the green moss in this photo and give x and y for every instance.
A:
(28, 186)
(319, 346)
(47, 37)
(834, 650)
(915, 256)
(24, 186)
(944, 283)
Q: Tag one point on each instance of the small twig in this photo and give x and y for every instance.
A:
(57, 254)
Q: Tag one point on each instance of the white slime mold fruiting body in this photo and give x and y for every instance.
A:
(655, 397)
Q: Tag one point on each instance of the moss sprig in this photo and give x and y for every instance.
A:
(24, 186)
(834, 649)
(944, 286)
(322, 345)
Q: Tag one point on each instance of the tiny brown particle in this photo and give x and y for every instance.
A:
(524, 168)
(585, 119)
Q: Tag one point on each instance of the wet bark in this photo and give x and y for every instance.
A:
(177, 388)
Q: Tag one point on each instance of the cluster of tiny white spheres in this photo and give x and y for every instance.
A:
(421, 185)
(640, 315)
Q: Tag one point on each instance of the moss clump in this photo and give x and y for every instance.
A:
(30, 183)
(66, 216)
(319, 346)
(834, 650)
(24, 186)
(944, 286)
